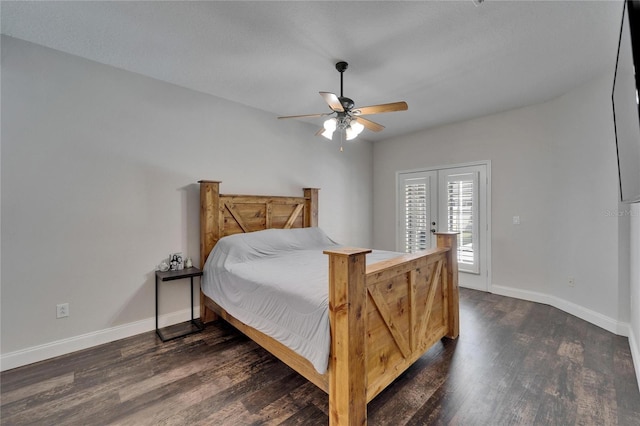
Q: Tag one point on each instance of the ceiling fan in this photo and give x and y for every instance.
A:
(348, 118)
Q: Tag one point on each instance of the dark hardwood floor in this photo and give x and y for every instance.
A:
(515, 363)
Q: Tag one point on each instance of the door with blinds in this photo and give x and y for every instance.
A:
(450, 199)
(418, 209)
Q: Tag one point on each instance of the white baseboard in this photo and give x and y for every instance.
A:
(62, 347)
(472, 287)
(596, 318)
(635, 353)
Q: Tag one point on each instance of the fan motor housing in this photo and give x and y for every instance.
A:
(342, 66)
(347, 103)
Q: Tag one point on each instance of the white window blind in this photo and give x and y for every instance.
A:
(416, 211)
(462, 217)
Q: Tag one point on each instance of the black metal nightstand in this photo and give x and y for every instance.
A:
(195, 325)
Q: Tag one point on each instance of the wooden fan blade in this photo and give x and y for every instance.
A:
(320, 131)
(307, 115)
(333, 101)
(377, 109)
(371, 125)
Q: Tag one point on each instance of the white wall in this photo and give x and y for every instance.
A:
(99, 172)
(554, 165)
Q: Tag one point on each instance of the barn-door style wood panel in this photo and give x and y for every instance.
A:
(243, 214)
(407, 312)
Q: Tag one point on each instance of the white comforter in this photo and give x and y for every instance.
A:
(276, 282)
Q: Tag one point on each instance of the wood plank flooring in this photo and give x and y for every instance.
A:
(515, 363)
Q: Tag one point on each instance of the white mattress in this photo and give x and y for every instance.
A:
(276, 282)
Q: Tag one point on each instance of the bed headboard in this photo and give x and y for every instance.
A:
(223, 214)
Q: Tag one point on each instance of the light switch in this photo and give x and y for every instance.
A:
(516, 220)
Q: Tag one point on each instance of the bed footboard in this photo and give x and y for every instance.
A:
(383, 318)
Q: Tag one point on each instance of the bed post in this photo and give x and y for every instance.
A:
(209, 232)
(450, 240)
(311, 207)
(347, 311)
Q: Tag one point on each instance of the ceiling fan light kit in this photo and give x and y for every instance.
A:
(348, 120)
(350, 126)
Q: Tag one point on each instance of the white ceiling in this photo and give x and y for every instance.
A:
(449, 60)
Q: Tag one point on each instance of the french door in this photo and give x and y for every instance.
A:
(452, 199)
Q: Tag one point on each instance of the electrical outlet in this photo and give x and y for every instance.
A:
(572, 282)
(62, 310)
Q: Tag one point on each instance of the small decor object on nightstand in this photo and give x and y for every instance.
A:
(163, 267)
(188, 263)
(176, 262)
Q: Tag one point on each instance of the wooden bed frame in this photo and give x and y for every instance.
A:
(383, 317)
